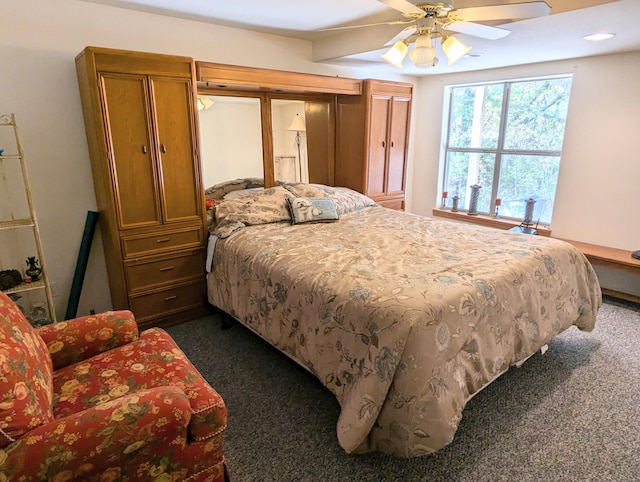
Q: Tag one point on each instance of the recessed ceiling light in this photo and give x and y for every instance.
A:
(599, 36)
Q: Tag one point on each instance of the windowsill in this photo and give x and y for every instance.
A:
(484, 220)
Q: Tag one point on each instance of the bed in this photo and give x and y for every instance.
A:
(404, 318)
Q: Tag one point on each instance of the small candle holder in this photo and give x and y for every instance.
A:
(454, 206)
(528, 212)
(473, 200)
(445, 195)
(497, 208)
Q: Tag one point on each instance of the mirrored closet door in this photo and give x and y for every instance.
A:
(289, 141)
(274, 136)
(230, 138)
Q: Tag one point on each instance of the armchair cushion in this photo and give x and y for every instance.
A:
(141, 436)
(26, 375)
(150, 361)
(75, 340)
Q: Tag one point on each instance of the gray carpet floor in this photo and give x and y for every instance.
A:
(572, 414)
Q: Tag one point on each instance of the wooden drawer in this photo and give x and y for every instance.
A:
(146, 244)
(397, 204)
(157, 271)
(167, 301)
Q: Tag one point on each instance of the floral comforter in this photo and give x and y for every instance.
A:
(402, 317)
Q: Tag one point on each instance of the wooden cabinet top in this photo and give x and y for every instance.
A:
(388, 87)
(126, 61)
(251, 78)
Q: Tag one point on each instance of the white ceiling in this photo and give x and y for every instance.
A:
(554, 37)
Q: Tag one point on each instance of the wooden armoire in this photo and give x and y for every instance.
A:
(372, 133)
(142, 135)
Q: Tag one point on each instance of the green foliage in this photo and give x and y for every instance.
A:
(466, 103)
(537, 115)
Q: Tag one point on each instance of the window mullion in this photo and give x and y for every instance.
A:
(500, 148)
(517, 152)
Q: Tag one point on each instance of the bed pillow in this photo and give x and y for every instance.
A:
(266, 206)
(240, 193)
(312, 210)
(301, 189)
(218, 191)
(346, 199)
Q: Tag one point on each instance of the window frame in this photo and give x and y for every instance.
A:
(499, 151)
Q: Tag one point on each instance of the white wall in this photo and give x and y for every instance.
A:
(598, 190)
(38, 45)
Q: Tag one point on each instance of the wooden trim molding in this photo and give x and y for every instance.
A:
(250, 78)
(128, 62)
(483, 220)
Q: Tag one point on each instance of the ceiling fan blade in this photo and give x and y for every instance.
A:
(347, 27)
(478, 30)
(403, 6)
(405, 33)
(503, 12)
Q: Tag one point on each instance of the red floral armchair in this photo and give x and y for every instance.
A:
(92, 399)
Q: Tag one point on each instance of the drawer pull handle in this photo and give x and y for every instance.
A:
(163, 240)
(169, 298)
(167, 268)
(144, 149)
(164, 148)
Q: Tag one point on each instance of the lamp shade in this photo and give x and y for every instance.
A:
(423, 52)
(297, 124)
(204, 102)
(454, 49)
(396, 54)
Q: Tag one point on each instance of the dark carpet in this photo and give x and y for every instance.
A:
(572, 414)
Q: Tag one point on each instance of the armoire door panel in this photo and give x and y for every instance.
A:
(397, 146)
(175, 145)
(377, 145)
(131, 148)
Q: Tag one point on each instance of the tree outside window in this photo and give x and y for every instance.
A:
(507, 137)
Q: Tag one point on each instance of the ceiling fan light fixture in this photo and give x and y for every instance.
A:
(423, 53)
(454, 49)
(396, 54)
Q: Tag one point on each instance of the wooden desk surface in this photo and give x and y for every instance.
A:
(608, 257)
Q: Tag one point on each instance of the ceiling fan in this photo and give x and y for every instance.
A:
(430, 20)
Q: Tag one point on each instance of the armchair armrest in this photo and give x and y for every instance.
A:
(113, 439)
(81, 338)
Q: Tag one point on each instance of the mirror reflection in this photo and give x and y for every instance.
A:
(230, 138)
(289, 141)
(232, 147)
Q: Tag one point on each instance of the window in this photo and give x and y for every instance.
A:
(507, 137)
